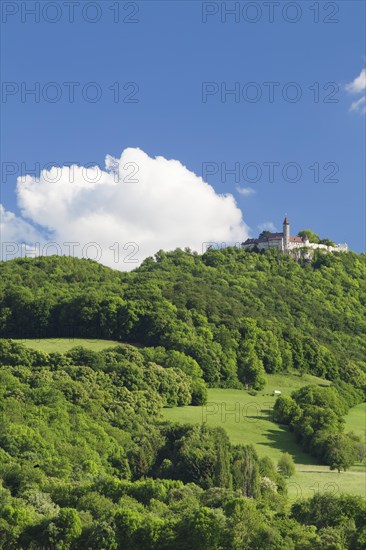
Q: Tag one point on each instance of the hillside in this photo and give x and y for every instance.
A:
(249, 419)
(88, 459)
(87, 462)
(238, 314)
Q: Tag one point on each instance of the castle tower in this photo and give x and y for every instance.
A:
(286, 234)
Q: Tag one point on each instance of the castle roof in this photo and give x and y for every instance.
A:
(251, 241)
(272, 236)
(265, 238)
(296, 240)
(285, 221)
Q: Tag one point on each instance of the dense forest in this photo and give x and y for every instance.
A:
(237, 314)
(86, 459)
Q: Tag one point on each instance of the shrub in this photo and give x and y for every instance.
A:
(286, 465)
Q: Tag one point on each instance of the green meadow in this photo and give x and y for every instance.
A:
(247, 419)
(65, 344)
(356, 420)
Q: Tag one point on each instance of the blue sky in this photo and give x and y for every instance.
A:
(169, 53)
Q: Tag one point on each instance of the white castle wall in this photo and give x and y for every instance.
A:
(278, 243)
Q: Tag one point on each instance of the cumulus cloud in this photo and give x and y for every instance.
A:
(357, 86)
(246, 191)
(134, 207)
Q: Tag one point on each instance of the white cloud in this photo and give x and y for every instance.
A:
(17, 236)
(154, 203)
(267, 226)
(13, 228)
(246, 191)
(359, 105)
(358, 84)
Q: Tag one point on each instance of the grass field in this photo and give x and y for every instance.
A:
(356, 420)
(247, 419)
(64, 344)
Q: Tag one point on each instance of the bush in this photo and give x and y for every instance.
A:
(199, 392)
(286, 465)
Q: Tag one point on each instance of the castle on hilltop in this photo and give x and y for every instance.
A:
(286, 243)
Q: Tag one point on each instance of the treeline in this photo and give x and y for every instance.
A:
(86, 462)
(164, 514)
(237, 314)
(316, 415)
(177, 379)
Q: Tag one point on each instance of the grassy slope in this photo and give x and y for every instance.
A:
(356, 420)
(252, 423)
(64, 344)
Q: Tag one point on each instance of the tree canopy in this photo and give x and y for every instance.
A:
(86, 459)
(230, 314)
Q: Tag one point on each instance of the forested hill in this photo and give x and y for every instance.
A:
(238, 314)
